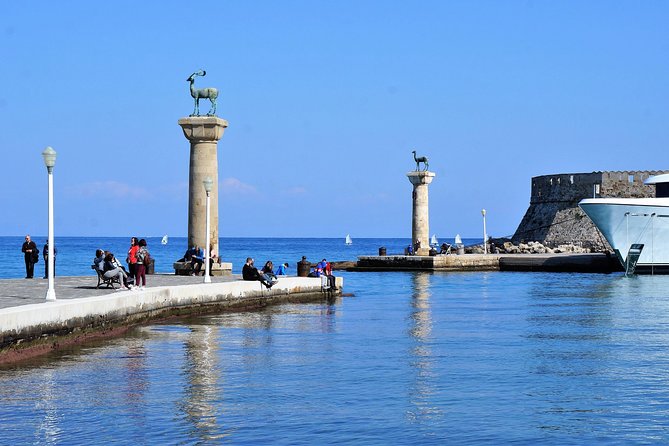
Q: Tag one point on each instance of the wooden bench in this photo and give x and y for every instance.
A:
(102, 280)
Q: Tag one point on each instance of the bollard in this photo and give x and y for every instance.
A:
(303, 267)
(382, 251)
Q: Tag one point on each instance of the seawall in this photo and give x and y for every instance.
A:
(33, 329)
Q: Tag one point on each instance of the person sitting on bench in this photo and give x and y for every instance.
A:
(112, 270)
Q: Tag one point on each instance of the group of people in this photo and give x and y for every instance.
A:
(324, 269)
(31, 256)
(266, 275)
(195, 255)
(138, 259)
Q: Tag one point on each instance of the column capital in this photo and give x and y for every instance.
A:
(418, 177)
(203, 128)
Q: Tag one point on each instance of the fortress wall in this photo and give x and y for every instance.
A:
(554, 218)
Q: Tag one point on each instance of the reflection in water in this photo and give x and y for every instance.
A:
(422, 391)
(49, 426)
(137, 382)
(202, 398)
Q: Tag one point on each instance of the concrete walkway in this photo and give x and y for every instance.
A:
(15, 292)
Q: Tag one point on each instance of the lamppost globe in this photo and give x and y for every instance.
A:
(49, 156)
(208, 183)
(483, 212)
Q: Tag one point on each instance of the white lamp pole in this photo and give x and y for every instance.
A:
(208, 183)
(49, 161)
(485, 234)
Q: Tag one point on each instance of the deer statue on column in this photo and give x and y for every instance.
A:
(420, 159)
(205, 93)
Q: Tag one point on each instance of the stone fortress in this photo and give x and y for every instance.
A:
(554, 218)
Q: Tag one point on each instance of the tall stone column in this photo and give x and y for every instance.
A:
(420, 221)
(203, 132)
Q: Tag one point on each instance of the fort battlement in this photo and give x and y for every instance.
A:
(554, 218)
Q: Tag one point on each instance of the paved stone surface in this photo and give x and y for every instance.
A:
(16, 292)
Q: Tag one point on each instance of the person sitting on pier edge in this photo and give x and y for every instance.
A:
(196, 260)
(416, 248)
(111, 270)
(445, 249)
(268, 270)
(250, 272)
(282, 269)
(408, 250)
(327, 270)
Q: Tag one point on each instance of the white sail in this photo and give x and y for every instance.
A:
(164, 240)
(348, 240)
(434, 240)
(458, 240)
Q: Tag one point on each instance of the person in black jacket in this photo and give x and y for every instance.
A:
(30, 255)
(45, 256)
(250, 272)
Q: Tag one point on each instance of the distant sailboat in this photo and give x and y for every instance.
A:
(433, 240)
(348, 240)
(458, 240)
(164, 240)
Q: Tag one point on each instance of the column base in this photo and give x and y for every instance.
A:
(217, 269)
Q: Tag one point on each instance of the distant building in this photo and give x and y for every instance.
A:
(554, 217)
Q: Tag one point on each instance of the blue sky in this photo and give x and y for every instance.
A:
(325, 101)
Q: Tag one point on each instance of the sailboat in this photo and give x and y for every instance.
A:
(164, 240)
(458, 239)
(433, 240)
(348, 240)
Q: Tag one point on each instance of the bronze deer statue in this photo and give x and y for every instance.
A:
(420, 159)
(205, 93)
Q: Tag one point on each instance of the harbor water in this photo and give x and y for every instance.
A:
(408, 358)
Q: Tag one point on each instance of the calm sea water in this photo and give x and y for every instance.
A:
(411, 358)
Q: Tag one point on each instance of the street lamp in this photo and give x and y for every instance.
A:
(208, 183)
(49, 161)
(485, 235)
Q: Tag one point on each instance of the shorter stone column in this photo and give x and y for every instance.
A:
(420, 221)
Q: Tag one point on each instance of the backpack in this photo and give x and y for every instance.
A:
(147, 258)
(140, 256)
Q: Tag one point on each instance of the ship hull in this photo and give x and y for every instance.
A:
(628, 221)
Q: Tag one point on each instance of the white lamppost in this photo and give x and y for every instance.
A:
(49, 161)
(485, 234)
(208, 183)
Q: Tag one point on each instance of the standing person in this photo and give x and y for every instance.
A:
(45, 256)
(143, 259)
(30, 255)
(282, 269)
(131, 260)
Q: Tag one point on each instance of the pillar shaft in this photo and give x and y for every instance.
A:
(203, 134)
(420, 218)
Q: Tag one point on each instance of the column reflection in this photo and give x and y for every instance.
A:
(423, 388)
(202, 386)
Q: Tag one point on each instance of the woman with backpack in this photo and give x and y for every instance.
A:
(143, 260)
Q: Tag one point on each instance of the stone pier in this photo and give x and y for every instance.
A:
(203, 132)
(420, 223)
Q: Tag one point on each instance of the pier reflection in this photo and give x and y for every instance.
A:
(202, 389)
(423, 388)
